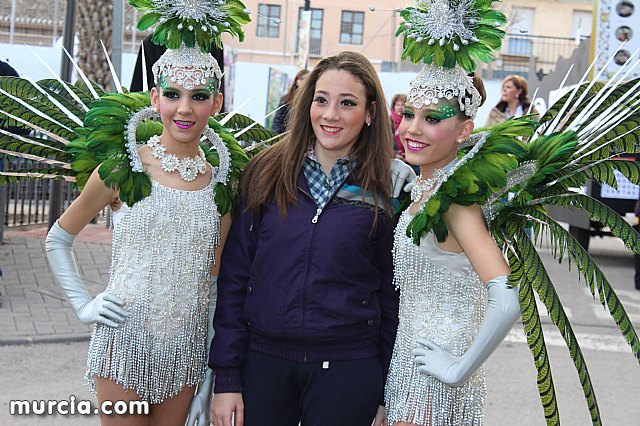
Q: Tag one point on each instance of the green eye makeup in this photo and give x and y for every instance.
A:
(208, 89)
(446, 111)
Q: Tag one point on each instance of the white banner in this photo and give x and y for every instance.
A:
(304, 38)
(617, 22)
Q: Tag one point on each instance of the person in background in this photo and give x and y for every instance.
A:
(514, 101)
(7, 70)
(282, 115)
(635, 256)
(397, 111)
(307, 314)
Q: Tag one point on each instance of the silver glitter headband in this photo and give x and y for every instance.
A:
(188, 67)
(434, 83)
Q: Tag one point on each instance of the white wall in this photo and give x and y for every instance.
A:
(251, 79)
(25, 60)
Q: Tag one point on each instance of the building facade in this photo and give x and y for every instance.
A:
(335, 25)
(272, 36)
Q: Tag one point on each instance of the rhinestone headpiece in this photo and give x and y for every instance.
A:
(449, 36)
(188, 67)
(434, 83)
(442, 21)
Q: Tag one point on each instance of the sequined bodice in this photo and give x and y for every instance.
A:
(162, 253)
(161, 264)
(441, 296)
(442, 299)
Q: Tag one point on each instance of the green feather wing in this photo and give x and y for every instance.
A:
(604, 172)
(538, 278)
(535, 338)
(9, 176)
(599, 212)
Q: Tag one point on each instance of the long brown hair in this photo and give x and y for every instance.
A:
(273, 174)
(288, 98)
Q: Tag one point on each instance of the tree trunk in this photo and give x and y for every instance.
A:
(94, 23)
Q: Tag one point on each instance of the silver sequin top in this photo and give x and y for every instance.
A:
(442, 299)
(162, 253)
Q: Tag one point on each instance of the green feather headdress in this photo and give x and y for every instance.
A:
(449, 32)
(192, 22)
(449, 36)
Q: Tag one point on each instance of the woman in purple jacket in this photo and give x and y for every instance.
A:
(306, 314)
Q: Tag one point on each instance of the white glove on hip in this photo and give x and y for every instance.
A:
(402, 175)
(503, 310)
(105, 308)
(201, 402)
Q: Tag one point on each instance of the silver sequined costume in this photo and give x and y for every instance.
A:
(441, 298)
(162, 253)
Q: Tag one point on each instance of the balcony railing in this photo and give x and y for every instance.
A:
(526, 54)
(35, 32)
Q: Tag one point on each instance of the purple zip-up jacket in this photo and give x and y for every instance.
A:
(305, 291)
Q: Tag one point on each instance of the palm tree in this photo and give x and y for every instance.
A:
(94, 24)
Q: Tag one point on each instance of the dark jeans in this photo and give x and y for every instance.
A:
(278, 392)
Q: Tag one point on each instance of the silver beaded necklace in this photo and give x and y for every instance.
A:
(421, 185)
(188, 167)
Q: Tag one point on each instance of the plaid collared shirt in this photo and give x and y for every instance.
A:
(322, 186)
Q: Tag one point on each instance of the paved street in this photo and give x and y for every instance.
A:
(32, 309)
(32, 306)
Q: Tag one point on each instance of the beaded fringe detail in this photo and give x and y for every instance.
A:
(442, 299)
(162, 254)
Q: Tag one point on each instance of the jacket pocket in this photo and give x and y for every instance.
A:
(263, 309)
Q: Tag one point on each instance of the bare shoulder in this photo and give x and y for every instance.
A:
(459, 215)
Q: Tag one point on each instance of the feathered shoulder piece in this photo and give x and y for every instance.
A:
(102, 142)
(67, 131)
(483, 170)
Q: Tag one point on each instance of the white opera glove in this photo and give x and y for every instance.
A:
(503, 310)
(105, 308)
(402, 177)
(201, 402)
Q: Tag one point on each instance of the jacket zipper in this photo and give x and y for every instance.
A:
(318, 211)
(314, 221)
(315, 218)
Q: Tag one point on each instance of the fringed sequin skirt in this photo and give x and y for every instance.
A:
(155, 366)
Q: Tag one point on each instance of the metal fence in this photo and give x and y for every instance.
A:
(25, 203)
(47, 29)
(533, 57)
